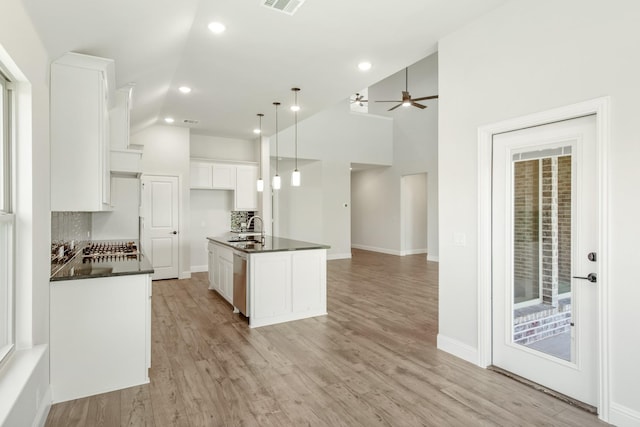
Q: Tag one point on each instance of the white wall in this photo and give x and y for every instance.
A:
(300, 209)
(24, 382)
(214, 147)
(415, 150)
(414, 213)
(210, 216)
(211, 209)
(122, 223)
(166, 152)
(336, 137)
(525, 57)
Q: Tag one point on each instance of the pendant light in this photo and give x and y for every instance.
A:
(275, 183)
(295, 175)
(260, 182)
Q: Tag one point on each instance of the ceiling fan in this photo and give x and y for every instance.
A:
(406, 96)
(358, 99)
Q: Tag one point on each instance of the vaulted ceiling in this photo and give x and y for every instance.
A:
(162, 44)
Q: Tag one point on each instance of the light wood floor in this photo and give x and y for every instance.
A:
(371, 362)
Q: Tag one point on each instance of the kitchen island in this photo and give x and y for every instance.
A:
(283, 279)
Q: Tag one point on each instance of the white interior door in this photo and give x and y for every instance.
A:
(160, 224)
(545, 227)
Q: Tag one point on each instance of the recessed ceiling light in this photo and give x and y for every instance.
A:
(364, 66)
(169, 119)
(184, 89)
(295, 108)
(217, 27)
(256, 131)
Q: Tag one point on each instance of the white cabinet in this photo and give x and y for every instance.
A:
(228, 176)
(223, 176)
(246, 195)
(119, 123)
(287, 285)
(80, 96)
(213, 267)
(213, 176)
(201, 175)
(221, 270)
(100, 335)
(226, 279)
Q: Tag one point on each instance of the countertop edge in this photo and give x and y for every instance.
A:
(223, 240)
(97, 276)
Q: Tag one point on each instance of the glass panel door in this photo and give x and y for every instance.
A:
(542, 228)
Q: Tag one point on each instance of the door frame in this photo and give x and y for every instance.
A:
(602, 109)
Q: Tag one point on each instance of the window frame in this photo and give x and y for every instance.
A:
(7, 219)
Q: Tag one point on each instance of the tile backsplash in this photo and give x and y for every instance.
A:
(240, 217)
(67, 226)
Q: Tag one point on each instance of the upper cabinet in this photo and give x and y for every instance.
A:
(246, 196)
(125, 161)
(119, 124)
(209, 175)
(223, 176)
(82, 87)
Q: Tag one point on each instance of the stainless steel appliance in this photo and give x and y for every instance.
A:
(109, 251)
(240, 282)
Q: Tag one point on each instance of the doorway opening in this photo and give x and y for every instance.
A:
(413, 223)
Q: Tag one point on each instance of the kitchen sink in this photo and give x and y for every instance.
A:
(248, 239)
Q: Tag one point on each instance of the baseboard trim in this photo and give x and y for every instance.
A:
(376, 249)
(458, 349)
(413, 252)
(623, 416)
(434, 258)
(43, 410)
(199, 268)
(339, 256)
(185, 275)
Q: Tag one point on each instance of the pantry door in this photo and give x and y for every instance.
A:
(544, 268)
(160, 224)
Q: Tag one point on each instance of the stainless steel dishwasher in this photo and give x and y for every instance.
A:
(240, 282)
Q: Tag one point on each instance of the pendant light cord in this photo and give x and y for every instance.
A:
(296, 129)
(276, 104)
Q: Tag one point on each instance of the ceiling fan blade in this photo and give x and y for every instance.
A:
(415, 104)
(393, 108)
(388, 101)
(426, 97)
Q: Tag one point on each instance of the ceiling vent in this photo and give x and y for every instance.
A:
(190, 122)
(286, 6)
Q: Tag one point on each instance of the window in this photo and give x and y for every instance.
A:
(7, 221)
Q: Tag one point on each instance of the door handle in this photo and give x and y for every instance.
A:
(174, 232)
(590, 277)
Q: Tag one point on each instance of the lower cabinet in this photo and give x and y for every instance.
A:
(288, 285)
(100, 335)
(221, 270)
(213, 267)
(226, 278)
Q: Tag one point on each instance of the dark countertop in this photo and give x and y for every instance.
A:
(271, 244)
(76, 269)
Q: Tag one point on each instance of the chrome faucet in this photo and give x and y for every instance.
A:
(262, 239)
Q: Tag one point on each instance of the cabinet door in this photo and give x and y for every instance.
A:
(270, 285)
(213, 268)
(246, 197)
(309, 278)
(79, 135)
(224, 176)
(201, 175)
(119, 120)
(227, 291)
